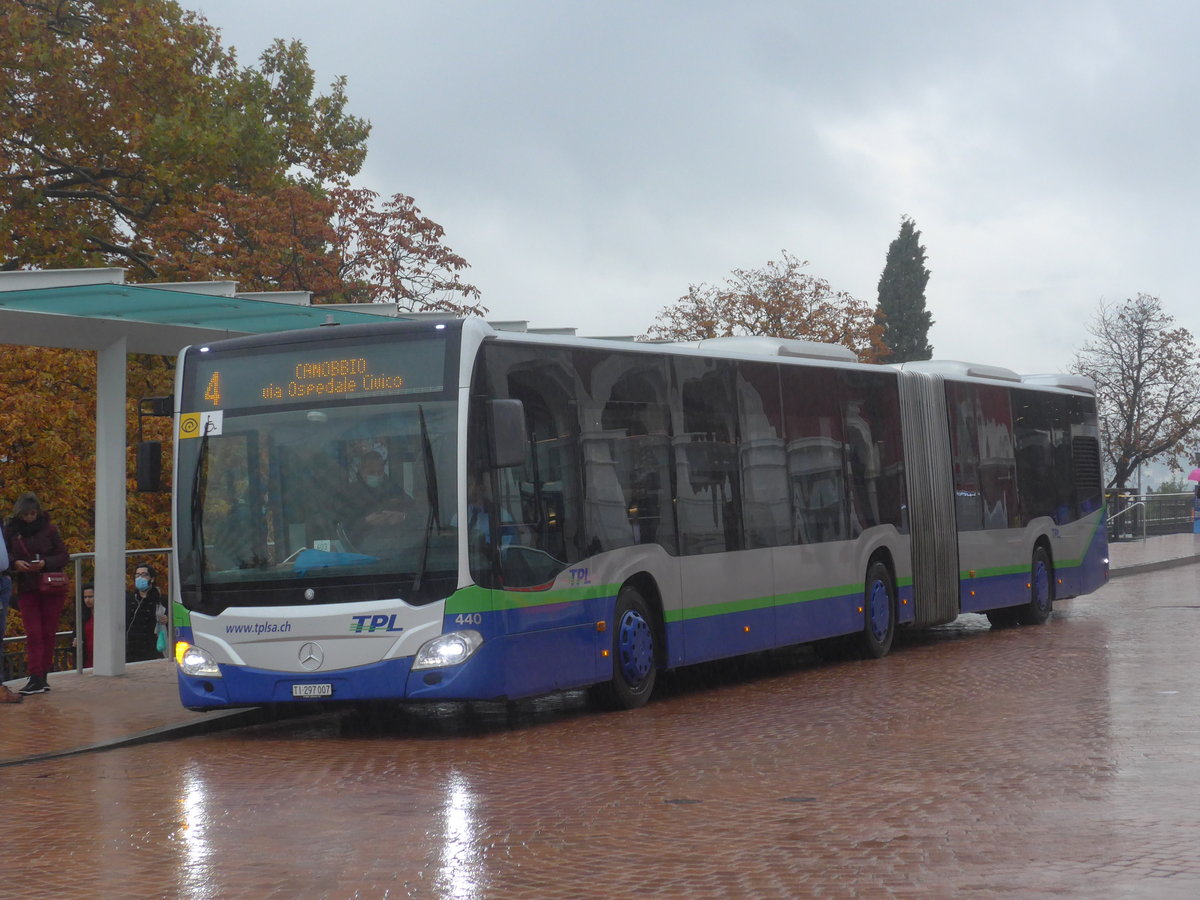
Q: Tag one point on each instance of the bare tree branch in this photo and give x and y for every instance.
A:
(1147, 384)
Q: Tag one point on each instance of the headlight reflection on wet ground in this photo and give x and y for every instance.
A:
(196, 818)
(461, 869)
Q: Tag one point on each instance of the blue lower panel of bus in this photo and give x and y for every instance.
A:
(1071, 580)
(1093, 573)
(510, 666)
(749, 630)
(520, 665)
(993, 592)
(244, 686)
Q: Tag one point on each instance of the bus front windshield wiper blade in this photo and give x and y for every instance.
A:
(431, 494)
(196, 517)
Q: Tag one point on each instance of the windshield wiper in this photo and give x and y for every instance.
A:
(431, 496)
(197, 518)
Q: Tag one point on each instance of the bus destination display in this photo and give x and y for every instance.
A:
(411, 367)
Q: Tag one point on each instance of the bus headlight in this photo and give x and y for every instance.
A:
(194, 661)
(448, 650)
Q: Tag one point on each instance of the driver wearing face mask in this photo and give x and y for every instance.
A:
(382, 506)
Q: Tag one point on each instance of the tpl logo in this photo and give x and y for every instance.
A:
(371, 624)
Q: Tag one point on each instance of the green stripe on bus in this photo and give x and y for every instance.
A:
(755, 603)
(475, 599)
(1059, 565)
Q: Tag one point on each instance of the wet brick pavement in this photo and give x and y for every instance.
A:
(1055, 761)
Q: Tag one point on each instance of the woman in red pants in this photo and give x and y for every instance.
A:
(36, 548)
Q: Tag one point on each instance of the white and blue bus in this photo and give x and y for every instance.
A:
(435, 510)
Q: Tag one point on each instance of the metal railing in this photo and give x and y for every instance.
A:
(1113, 519)
(1149, 514)
(11, 664)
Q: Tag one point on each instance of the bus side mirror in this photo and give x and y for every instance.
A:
(506, 433)
(149, 467)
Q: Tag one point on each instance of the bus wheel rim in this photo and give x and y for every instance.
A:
(880, 610)
(635, 647)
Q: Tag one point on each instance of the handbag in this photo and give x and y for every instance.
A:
(48, 582)
(53, 582)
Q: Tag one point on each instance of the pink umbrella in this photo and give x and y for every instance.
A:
(1195, 475)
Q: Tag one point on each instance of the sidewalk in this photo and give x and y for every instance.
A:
(1158, 552)
(88, 712)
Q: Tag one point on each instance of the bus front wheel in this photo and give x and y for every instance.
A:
(635, 654)
(879, 610)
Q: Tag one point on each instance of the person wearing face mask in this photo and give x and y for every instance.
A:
(379, 506)
(141, 616)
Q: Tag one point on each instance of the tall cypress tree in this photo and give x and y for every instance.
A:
(901, 308)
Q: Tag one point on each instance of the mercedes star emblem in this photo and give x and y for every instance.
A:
(311, 656)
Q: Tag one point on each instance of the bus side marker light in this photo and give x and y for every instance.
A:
(604, 654)
(971, 573)
(860, 609)
(746, 628)
(972, 593)
(601, 626)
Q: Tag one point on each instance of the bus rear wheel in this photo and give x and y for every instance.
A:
(879, 610)
(635, 653)
(1041, 590)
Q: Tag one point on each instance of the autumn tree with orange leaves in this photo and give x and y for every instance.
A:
(778, 300)
(133, 138)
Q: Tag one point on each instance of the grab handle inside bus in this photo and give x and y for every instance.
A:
(506, 430)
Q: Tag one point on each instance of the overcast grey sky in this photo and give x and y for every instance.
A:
(591, 160)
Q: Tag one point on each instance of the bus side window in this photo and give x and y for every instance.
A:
(815, 449)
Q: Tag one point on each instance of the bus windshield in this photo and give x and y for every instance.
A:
(360, 494)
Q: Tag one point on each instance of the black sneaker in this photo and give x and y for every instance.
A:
(35, 685)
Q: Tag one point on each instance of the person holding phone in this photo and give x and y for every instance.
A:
(36, 548)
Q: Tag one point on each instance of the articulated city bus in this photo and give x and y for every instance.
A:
(434, 510)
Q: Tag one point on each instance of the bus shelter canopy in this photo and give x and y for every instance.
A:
(89, 309)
